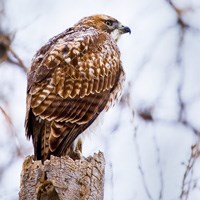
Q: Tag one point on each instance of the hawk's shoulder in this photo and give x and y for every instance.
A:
(80, 50)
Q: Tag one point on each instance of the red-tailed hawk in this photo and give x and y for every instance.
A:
(73, 78)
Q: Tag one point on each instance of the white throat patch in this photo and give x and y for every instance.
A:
(115, 34)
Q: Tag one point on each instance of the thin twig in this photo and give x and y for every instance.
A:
(140, 166)
(186, 185)
(19, 61)
(160, 168)
(18, 149)
(128, 101)
(111, 179)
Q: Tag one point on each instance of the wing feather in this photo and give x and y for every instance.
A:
(70, 83)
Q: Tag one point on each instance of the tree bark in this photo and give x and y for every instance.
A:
(62, 178)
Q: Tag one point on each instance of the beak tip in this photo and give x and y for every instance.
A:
(127, 30)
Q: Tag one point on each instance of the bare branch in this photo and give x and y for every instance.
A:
(186, 184)
(111, 179)
(18, 150)
(160, 169)
(18, 61)
(140, 166)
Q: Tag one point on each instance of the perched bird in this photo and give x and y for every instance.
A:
(73, 78)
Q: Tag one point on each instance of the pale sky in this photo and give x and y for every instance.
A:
(148, 56)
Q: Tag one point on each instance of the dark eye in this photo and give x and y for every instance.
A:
(109, 23)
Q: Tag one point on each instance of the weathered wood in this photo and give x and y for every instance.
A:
(63, 179)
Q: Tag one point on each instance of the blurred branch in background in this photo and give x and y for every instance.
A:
(140, 167)
(146, 114)
(160, 170)
(145, 111)
(17, 149)
(7, 54)
(9, 134)
(13, 135)
(189, 183)
(183, 28)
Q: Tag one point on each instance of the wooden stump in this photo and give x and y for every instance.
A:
(63, 179)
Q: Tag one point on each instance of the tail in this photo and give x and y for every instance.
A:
(52, 138)
(34, 127)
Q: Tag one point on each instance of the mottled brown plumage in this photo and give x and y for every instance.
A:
(73, 78)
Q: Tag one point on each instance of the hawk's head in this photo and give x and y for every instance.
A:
(105, 23)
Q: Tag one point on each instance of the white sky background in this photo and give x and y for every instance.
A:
(148, 57)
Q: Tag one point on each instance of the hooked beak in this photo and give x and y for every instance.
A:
(125, 29)
(119, 30)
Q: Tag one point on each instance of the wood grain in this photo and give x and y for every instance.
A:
(62, 178)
